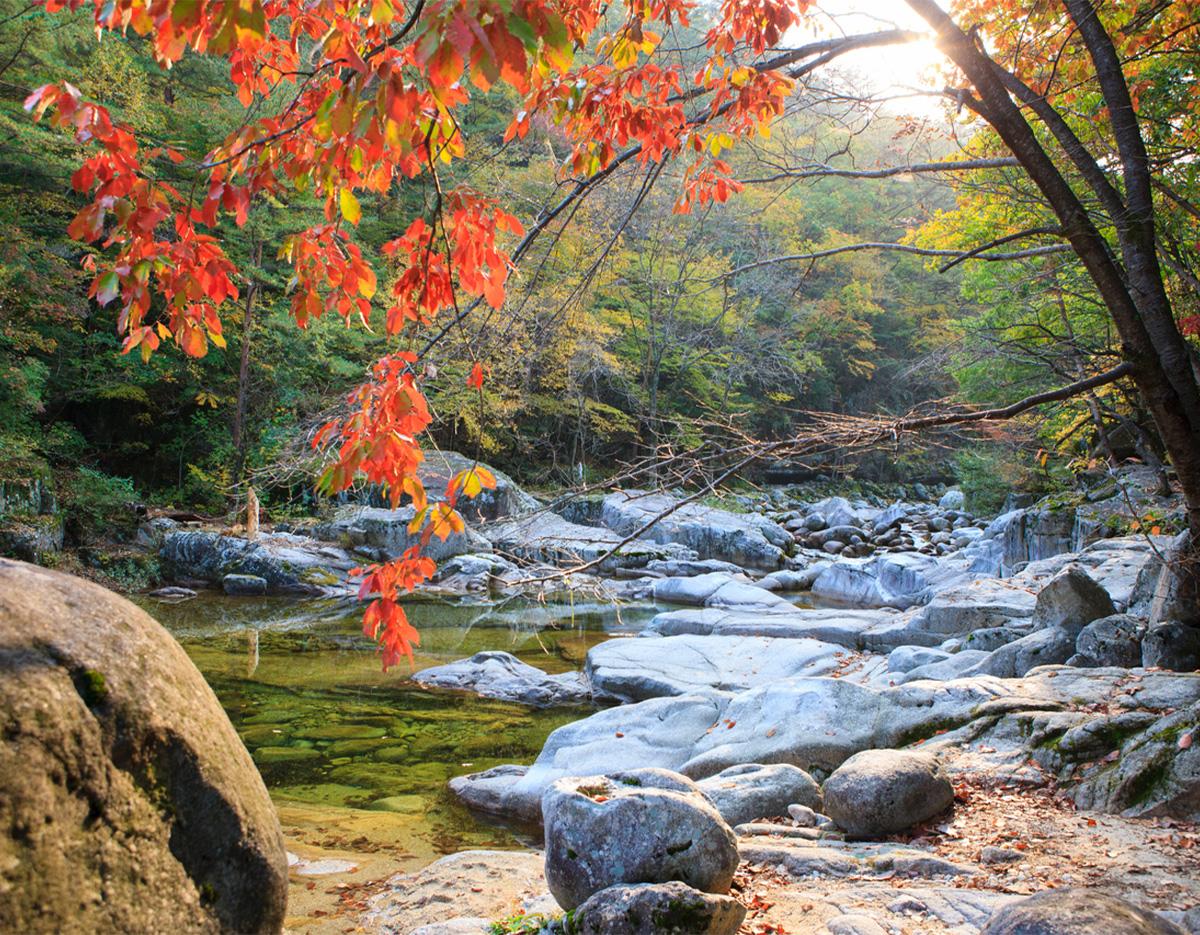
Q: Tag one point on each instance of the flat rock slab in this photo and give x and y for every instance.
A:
(745, 539)
(818, 723)
(501, 675)
(800, 857)
(717, 589)
(646, 667)
(468, 885)
(285, 561)
(845, 627)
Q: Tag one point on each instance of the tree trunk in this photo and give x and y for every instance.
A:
(238, 431)
(1132, 290)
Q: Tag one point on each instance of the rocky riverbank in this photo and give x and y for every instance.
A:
(848, 716)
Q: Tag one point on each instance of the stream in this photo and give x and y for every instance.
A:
(356, 759)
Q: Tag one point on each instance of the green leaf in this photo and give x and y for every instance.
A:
(523, 31)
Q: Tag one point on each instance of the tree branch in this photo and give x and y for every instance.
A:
(957, 255)
(823, 171)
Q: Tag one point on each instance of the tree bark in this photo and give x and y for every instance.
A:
(1132, 289)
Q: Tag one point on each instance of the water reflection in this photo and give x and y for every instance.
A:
(342, 745)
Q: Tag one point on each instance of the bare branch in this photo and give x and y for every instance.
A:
(898, 248)
(823, 171)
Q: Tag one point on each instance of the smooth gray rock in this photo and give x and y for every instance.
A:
(506, 499)
(844, 627)
(950, 668)
(983, 603)
(1052, 646)
(1172, 645)
(636, 669)
(474, 571)
(488, 790)
(854, 924)
(716, 589)
(172, 593)
(906, 658)
(657, 909)
(383, 533)
(495, 674)
(1071, 600)
(547, 537)
(1112, 641)
(288, 562)
(1076, 911)
(952, 499)
(684, 568)
(893, 580)
(636, 826)
(751, 791)
(891, 518)
(243, 585)
(879, 792)
(787, 579)
(747, 540)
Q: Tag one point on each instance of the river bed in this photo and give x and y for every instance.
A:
(357, 759)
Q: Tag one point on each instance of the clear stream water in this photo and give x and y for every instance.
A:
(357, 759)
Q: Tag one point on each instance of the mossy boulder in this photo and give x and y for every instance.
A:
(656, 909)
(127, 801)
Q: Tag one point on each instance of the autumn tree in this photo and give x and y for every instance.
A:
(365, 96)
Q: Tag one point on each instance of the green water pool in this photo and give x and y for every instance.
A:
(357, 758)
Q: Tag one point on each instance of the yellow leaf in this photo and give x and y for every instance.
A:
(444, 521)
(351, 210)
(382, 12)
(473, 481)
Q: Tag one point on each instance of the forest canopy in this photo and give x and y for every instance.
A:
(576, 235)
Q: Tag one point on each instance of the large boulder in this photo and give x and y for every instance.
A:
(549, 538)
(716, 589)
(638, 826)
(1172, 645)
(982, 604)
(748, 540)
(1111, 641)
(894, 580)
(128, 802)
(505, 499)
(1052, 646)
(379, 533)
(657, 909)
(285, 561)
(952, 499)
(496, 674)
(1071, 600)
(1076, 912)
(751, 791)
(879, 792)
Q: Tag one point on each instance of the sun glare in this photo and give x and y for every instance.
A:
(906, 74)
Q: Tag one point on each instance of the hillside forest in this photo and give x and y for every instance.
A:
(629, 329)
